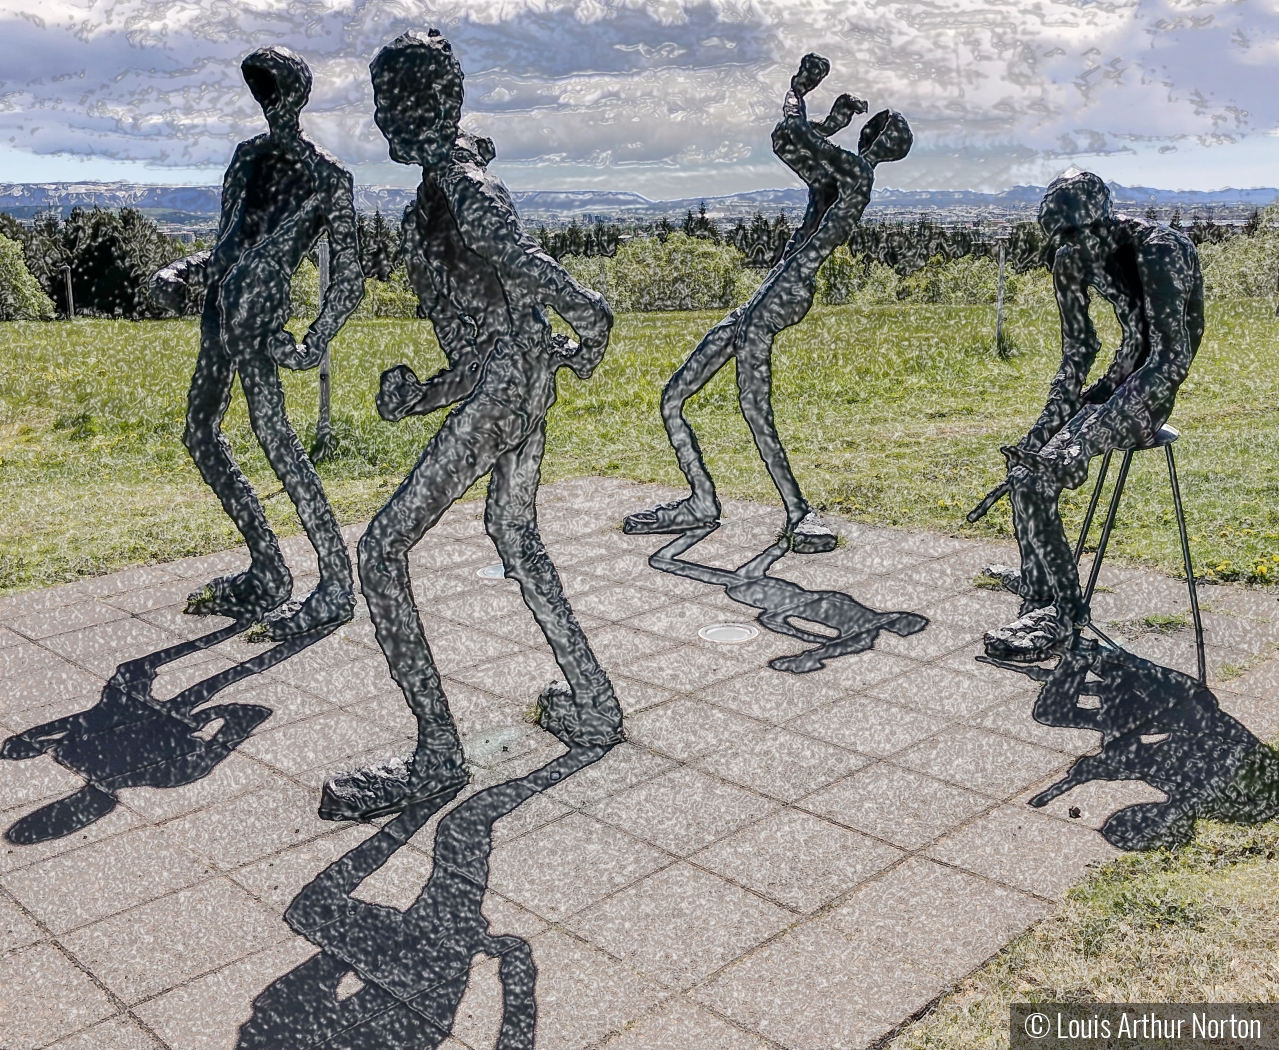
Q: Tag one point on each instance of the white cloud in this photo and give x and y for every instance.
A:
(658, 95)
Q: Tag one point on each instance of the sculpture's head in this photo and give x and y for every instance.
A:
(1076, 209)
(812, 71)
(885, 137)
(417, 96)
(281, 83)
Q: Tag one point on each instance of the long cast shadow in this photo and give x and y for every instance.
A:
(782, 602)
(131, 739)
(410, 968)
(1162, 727)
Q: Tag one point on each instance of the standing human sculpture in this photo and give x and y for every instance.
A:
(1150, 276)
(280, 194)
(484, 283)
(839, 185)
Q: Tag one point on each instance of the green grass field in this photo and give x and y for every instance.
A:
(891, 414)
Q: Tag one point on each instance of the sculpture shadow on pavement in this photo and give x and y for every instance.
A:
(1162, 727)
(131, 739)
(785, 606)
(411, 967)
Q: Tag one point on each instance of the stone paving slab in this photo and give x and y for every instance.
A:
(771, 860)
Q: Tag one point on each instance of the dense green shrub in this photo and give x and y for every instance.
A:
(680, 273)
(21, 297)
(390, 298)
(1242, 267)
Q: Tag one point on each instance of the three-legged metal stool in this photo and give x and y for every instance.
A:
(1163, 439)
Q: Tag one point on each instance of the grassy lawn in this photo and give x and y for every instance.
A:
(1200, 924)
(890, 414)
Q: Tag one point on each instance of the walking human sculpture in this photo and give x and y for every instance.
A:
(1150, 276)
(280, 194)
(484, 284)
(839, 185)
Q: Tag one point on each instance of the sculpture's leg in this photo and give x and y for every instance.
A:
(588, 713)
(462, 451)
(701, 507)
(267, 582)
(333, 601)
(1051, 598)
(754, 390)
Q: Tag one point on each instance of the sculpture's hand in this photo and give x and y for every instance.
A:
(845, 108)
(1068, 465)
(283, 349)
(581, 357)
(399, 392)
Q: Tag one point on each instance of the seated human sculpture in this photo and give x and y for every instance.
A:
(280, 194)
(485, 285)
(839, 186)
(1150, 276)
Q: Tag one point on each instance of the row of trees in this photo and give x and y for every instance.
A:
(111, 256)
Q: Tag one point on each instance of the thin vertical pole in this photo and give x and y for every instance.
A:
(323, 425)
(999, 305)
(1190, 572)
(66, 272)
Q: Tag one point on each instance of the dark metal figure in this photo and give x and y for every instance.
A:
(1162, 727)
(413, 965)
(486, 283)
(1150, 275)
(131, 739)
(781, 602)
(839, 184)
(279, 195)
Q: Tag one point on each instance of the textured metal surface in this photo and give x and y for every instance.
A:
(1150, 275)
(1162, 727)
(782, 603)
(484, 283)
(839, 184)
(280, 193)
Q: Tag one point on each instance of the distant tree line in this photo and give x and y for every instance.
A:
(111, 255)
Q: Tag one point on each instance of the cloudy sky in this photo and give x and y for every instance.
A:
(663, 97)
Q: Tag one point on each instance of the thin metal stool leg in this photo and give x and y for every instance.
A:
(1190, 573)
(1106, 529)
(1092, 504)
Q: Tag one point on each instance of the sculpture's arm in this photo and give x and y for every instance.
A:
(233, 185)
(1132, 348)
(171, 286)
(1079, 346)
(1143, 401)
(490, 227)
(346, 278)
(401, 393)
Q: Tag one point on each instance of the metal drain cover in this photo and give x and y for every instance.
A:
(493, 572)
(728, 633)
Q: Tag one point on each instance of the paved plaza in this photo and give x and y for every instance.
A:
(770, 860)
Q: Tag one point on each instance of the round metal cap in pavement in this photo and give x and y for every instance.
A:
(728, 633)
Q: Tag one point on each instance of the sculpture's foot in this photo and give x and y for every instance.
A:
(1030, 638)
(1008, 577)
(589, 722)
(330, 605)
(249, 593)
(810, 535)
(681, 515)
(388, 787)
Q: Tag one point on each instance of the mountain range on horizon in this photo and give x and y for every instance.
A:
(197, 207)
